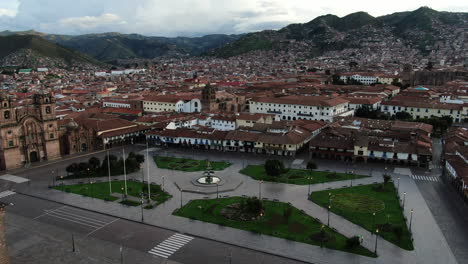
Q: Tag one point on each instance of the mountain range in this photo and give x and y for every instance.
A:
(420, 29)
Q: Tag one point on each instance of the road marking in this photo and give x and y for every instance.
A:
(169, 246)
(73, 215)
(6, 193)
(425, 178)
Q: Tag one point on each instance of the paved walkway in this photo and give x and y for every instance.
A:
(430, 244)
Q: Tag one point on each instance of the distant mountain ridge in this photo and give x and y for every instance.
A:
(35, 51)
(112, 46)
(330, 32)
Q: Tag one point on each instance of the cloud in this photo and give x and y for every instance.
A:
(86, 24)
(187, 17)
(7, 12)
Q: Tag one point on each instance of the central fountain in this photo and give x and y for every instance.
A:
(208, 178)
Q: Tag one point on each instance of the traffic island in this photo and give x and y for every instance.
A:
(115, 192)
(269, 218)
(188, 165)
(373, 207)
(298, 176)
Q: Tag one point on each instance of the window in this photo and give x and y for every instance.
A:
(51, 135)
(47, 109)
(6, 114)
(10, 143)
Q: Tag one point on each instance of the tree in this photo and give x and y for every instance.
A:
(405, 116)
(94, 163)
(430, 65)
(254, 206)
(353, 242)
(274, 167)
(386, 178)
(72, 168)
(311, 165)
(287, 213)
(366, 111)
(83, 168)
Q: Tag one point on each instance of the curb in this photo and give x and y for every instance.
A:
(169, 229)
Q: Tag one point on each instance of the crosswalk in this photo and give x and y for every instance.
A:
(169, 246)
(6, 193)
(425, 178)
(78, 217)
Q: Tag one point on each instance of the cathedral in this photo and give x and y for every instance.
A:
(28, 133)
(214, 100)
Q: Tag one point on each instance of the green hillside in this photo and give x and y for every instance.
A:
(41, 47)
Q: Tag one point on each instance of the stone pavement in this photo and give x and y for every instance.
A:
(28, 240)
(430, 244)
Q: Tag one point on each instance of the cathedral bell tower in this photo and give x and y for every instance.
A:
(7, 111)
(45, 105)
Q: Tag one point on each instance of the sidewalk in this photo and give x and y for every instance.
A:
(430, 244)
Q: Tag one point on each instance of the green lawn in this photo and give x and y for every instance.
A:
(300, 177)
(101, 190)
(357, 204)
(188, 164)
(300, 226)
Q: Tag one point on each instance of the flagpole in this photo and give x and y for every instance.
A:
(125, 172)
(147, 170)
(108, 169)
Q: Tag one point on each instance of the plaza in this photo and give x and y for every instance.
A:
(429, 243)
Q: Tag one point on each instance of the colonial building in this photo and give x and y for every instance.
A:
(302, 107)
(171, 103)
(28, 133)
(360, 139)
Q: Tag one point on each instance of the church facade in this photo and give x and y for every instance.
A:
(28, 134)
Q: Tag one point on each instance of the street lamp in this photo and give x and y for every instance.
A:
(123, 194)
(181, 198)
(308, 192)
(404, 198)
(329, 198)
(411, 219)
(322, 234)
(329, 207)
(376, 237)
(91, 188)
(217, 190)
(163, 183)
(351, 176)
(260, 190)
(142, 217)
(63, 186)
(373, 222)
(398, 185)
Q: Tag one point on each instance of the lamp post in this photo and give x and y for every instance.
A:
(376, 237)
(322, 236)
(163, 183)
(351, 177)
(109, 173)
(308, 191)
(329, 207)
(142, 216)
(404, 198)
(91, 187)
(61, 181)
(53, 179)
(260, 190)
(373, 222)
(398, 186)
(217, 190)
(411, 219)
(123, 194)
(181, 197)
(329, 198)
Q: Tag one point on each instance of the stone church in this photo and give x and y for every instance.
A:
(28, 133)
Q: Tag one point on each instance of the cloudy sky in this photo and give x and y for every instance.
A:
(188, 17)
